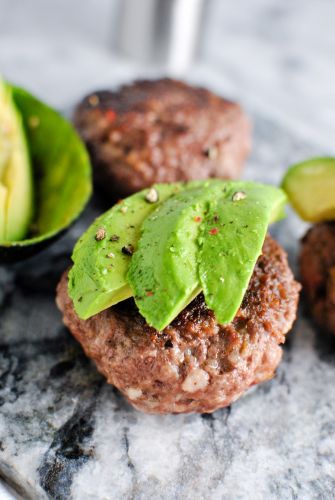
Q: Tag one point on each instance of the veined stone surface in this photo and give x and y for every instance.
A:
(65, 433)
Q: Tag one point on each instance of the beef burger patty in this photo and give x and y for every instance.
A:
(161, 131)
(195, 364)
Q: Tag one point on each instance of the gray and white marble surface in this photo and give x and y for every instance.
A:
(64, 433)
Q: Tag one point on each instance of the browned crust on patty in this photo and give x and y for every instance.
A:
(161, 131)
(317, 268)
(195, 364)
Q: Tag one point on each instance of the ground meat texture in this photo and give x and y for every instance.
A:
(195, 364)
(161, 131)
(317, 269)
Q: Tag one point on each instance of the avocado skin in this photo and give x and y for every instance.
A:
(163, 272)
(16, 182)
(98, 278)
(10, 254)
(231, 240)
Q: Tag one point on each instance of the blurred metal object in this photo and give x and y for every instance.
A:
(162, 32)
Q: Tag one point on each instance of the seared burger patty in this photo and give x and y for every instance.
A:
(317, 268)
(194, 365)
(161, 131)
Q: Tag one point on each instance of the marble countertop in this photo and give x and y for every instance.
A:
(63, 432)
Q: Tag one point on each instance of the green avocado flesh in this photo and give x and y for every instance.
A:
(98, 278)
(230, 242)
(192, 237)
(16, 184)
(310, 187)
(163, 272)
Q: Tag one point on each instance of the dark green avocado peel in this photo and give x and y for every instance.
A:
(164, 245)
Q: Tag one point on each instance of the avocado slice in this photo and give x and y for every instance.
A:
(163, 272)
(310, 187)
(231, 240)
(199, 235)
(16, 183)
(101, 257)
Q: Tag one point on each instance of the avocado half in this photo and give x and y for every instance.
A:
(61, 174)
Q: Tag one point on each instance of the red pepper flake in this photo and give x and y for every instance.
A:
(149, 293)
(197, 218)
(214, 230)
(110, 115)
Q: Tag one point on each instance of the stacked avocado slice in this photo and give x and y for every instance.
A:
(165, 245)
(101, 257)
(16, 184)
(163, 272)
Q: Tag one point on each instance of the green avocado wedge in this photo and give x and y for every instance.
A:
(231, 240)
(310, 187)
(61, 172)
(163, 272)
(16, 184)
(97, 279)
